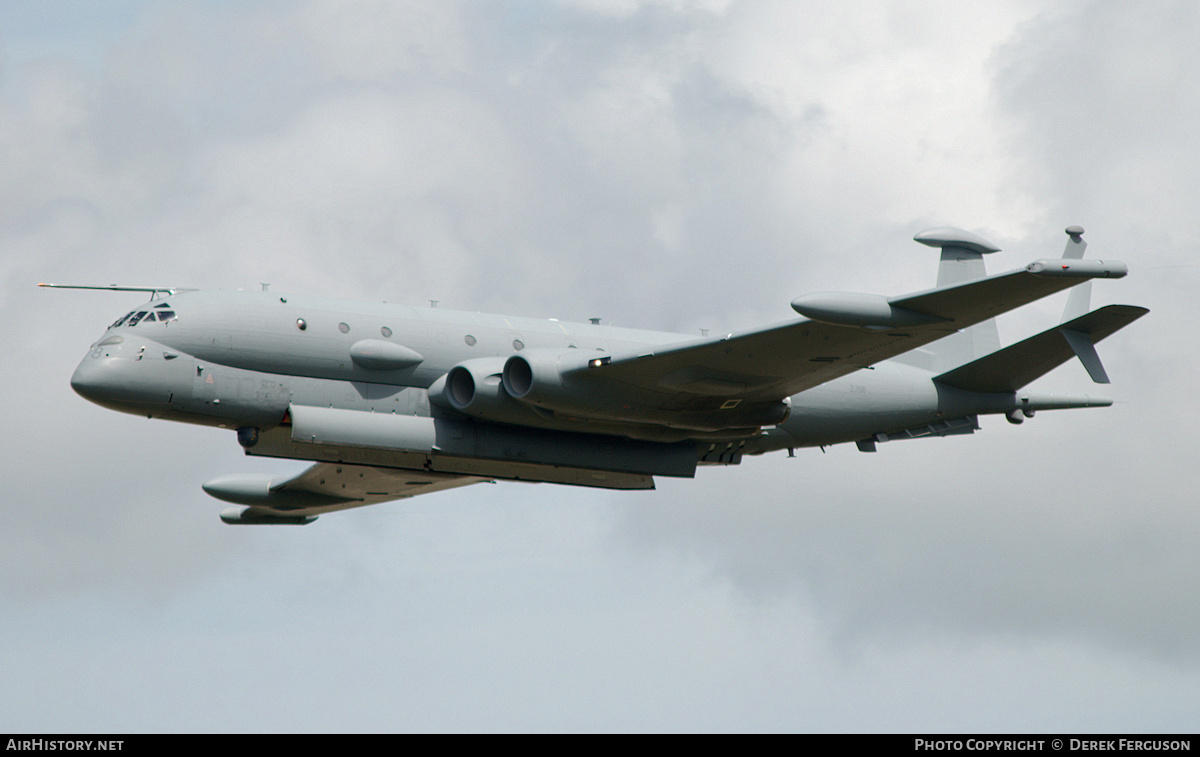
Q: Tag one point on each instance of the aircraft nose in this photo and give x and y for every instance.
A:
(119, 383)
(95, 380)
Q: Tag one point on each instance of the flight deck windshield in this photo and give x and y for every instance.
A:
(160, 313)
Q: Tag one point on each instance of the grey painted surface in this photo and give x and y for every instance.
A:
(473, 397)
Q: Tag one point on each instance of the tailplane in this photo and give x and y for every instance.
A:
(1011, 368)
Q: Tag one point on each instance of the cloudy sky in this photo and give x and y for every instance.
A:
(658, 163)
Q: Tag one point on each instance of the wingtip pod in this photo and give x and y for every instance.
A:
(1079, 269)
(252, 516)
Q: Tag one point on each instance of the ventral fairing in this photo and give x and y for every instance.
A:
(392, 401)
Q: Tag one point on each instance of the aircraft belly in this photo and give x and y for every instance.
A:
(477, 449)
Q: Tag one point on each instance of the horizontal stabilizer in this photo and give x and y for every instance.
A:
(1013, 367)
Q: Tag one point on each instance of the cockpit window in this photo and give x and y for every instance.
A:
(161, 313)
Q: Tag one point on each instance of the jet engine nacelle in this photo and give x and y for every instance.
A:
(536, 377)
(475, 388)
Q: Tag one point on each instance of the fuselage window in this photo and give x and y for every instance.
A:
(386, 332)
(139, 315)
(470, 340)
(344, 328)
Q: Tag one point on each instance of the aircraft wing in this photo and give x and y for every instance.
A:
(843, 334)
(323, 488)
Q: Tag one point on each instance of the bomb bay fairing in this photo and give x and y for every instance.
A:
(391, 401)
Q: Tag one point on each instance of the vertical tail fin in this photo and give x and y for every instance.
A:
(1077, 306)
(1081, 296)
(962, 261)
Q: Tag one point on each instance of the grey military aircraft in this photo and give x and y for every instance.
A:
(393, 401)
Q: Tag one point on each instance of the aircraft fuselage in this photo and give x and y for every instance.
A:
(241, 359)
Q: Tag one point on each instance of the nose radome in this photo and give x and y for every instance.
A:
(98, 380)
(86, 381)
(122, 384)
